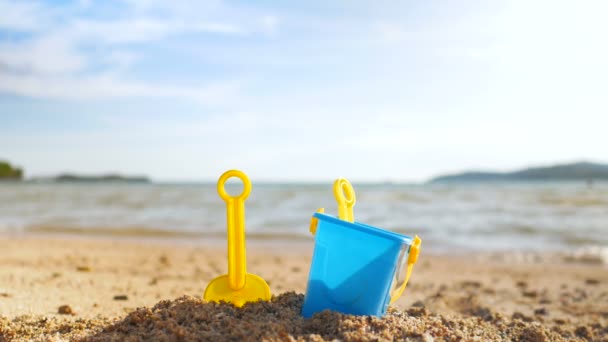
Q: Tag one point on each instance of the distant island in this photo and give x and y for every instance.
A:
(9, 172)
(583, 171)
(69, 178)
(12, 173)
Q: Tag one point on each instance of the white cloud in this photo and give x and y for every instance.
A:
(105, 86)
(177, 7)
(119, 31)
(48, 54)
(19, 15)
(143, 29)
(554, 32)
(121, 60)
(85, 3)
(393, 33)
(223, 28)
(75, 57)
(270, 24)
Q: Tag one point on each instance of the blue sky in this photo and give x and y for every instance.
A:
(378, 90)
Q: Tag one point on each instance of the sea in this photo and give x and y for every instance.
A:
(454, 217)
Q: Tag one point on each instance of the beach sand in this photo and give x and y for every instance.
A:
(58, 289)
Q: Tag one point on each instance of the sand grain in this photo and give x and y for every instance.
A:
(449, 298)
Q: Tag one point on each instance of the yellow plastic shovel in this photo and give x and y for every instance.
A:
(237, 287)
(345, 196)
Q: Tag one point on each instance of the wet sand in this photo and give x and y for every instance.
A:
(101, 290)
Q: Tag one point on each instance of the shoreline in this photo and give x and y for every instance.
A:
(596, 255)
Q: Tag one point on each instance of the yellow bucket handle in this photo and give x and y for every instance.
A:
(235, 217)
(411, 260)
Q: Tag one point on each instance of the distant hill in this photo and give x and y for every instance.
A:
(102, 178)
(584, 171)
(9, 172)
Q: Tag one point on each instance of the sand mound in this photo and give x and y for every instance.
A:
(191, 319)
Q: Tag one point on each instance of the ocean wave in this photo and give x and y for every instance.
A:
(574, 201)
(593, 254)
(540, 216)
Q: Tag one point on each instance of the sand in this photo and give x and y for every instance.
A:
(99, 290)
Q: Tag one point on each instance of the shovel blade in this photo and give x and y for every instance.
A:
(255, 289)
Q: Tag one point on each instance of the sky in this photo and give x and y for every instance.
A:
(310, 90)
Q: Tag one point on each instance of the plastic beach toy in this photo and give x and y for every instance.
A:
(354, 265)
(237, 287)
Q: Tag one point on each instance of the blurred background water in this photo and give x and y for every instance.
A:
(490, 216)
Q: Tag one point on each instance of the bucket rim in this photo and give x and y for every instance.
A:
(365, 228)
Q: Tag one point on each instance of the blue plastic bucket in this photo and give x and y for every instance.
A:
(353, 267)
